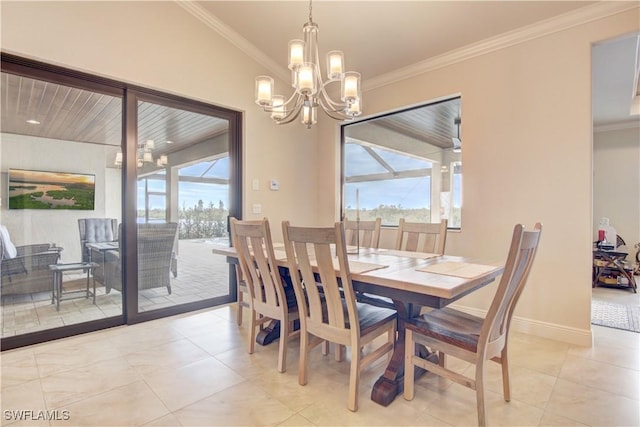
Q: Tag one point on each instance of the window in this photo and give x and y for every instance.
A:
(405, 165)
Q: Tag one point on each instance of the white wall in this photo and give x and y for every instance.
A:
(616, 182)
(527, 157)
(55, 226)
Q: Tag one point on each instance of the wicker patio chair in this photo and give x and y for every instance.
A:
(27, 272)
(155, 251)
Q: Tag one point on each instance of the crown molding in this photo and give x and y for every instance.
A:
(520, 35)
(633, 123)
(234, 38)
(562, 22)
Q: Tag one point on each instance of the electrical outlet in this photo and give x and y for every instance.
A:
(257, 208)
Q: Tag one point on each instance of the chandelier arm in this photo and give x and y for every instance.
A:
(292, 114)
(334, 114)
(335, 105)
(294, 96)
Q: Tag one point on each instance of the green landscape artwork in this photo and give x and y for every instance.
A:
(50, 190)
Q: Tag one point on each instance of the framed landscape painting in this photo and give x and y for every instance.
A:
(30, 189)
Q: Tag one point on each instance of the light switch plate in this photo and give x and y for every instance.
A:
(256, 184)
(274, 185)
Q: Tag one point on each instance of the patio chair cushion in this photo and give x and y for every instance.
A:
(8, 248)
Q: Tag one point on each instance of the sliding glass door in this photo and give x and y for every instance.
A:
(183, 202)
(112, 199)
(57, 208)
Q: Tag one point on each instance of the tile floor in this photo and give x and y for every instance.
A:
(194, 370)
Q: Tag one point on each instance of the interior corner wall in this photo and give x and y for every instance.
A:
(161, 46)
(616, 183)
(29, 226)
(527, 157)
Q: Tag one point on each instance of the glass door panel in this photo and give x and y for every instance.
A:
(183, 205)
(61, 215)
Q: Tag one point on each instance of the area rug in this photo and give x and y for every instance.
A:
(614, 315)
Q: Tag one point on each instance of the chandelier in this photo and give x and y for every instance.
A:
(310, 89)
(144, 155)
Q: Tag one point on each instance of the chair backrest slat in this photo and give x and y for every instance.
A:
(422, 236)
(313, 253)
(522, 252)
(364, 233)
(252, 240)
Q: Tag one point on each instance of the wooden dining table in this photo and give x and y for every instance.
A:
(411, 280)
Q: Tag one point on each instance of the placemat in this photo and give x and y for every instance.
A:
(407, 254)
(458, 269)
(358, 267)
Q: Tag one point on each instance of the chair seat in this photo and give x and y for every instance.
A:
(450, 326)
(372, 317)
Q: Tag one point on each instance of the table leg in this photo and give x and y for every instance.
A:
(53, 288)
(87, 290)
(59, 288)
(391, 383)
(94, 290)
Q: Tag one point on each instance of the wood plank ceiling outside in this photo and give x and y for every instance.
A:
(73, 114)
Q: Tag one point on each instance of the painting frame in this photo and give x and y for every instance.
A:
(50, 190)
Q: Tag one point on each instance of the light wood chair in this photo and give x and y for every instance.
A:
(472, 338)
(422, 236)
(366, 233)
(344, 322)
(241, 291)
(267, 297)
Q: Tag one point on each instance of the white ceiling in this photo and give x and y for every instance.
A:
(380, 38)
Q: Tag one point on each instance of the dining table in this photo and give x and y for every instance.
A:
(409, 281)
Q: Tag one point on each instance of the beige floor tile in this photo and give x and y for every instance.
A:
(141, 337)
(623, 357)
(220, 339)
(180, 387)
(296, 420)
(166, 421)
(18, 366)
(165, 357)
(537, 354)
(197, 365)
(603, 376)
(457, 405)
(331, 410)
(73, 385)
(130, 405)
(72, 353)
(23, 402)
(605, 337)
(528, 386)
(240, 405)
(592, 406)
(553, 420)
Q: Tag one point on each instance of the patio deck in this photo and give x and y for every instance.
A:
(201, 275)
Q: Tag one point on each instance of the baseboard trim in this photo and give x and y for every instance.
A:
(553, 331)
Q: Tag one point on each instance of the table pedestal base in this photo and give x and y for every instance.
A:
(269, 333)
(391, 383)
